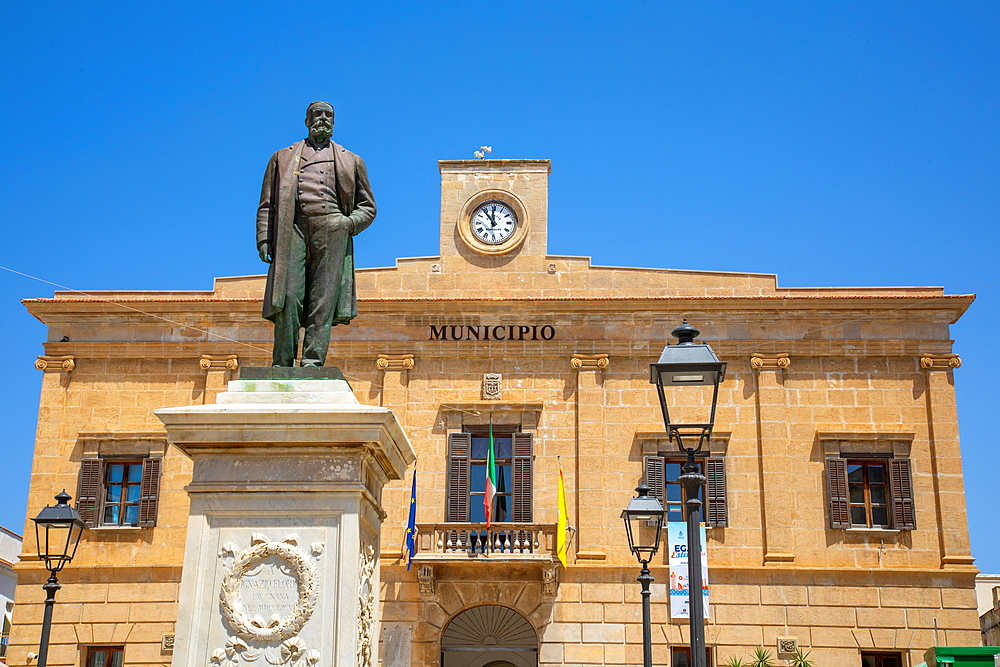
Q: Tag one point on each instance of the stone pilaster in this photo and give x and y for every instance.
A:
(775, 466)
(946, 459)
(219, 370)
(590, 441)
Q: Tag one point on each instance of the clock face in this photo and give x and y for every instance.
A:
(493, 222)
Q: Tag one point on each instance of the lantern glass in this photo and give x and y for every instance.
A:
(57, 533)
(643, 524)
(687, 364)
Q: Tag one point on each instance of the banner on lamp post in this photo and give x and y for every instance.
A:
(677, 543)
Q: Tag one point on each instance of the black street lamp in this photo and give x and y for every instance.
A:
(57, 533)
(643, 523)
(686, 364)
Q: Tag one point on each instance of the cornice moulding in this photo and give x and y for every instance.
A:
(881, 435)
(728, 350)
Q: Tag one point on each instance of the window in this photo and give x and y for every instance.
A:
(873, 659)
(680, 656)
(121, 493)
(106, 656)
(117, 492)
(661, 474)
(502, 450)
(467, 475)
(870, 493)
(5, 633)
(674, 492)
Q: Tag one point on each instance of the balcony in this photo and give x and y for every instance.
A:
(471, 542)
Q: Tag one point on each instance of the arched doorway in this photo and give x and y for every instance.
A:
(489, 635)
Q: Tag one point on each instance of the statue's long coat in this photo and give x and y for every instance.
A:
(276, 217)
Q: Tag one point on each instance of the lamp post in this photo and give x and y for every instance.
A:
(57, 533)
(643, 523)
(687, 364)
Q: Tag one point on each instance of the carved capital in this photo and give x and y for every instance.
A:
(425, 579)
(207, 362)
(770, 362)
(63, 364)
(590, 361)
(398, 362)
(940, 362)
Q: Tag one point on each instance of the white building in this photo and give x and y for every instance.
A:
(10, 547)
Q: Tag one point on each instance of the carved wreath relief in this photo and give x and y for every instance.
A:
(255, 636)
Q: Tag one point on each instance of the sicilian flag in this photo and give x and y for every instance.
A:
(491, 479)
(562, 525)
(411, 528)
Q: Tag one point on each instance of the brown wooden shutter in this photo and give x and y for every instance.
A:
(149, 492)
(902, 494)
(653, 476)
(717, 510)
(836, 477)
(522, 467)
(88, 498)
(459, 453)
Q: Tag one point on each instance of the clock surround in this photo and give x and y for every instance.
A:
(464, 224)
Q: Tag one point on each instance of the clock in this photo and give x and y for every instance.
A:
(493, 222)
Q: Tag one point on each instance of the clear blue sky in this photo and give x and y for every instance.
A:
(830, 143)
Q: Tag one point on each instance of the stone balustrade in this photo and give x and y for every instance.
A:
(503, 541)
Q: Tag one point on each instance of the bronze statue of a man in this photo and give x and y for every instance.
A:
(314, 200)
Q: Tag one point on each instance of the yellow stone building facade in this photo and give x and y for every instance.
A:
(839, 518)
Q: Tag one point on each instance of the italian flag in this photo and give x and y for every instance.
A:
(491, 479)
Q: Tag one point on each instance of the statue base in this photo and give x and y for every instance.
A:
(291, 373)
(281, 559)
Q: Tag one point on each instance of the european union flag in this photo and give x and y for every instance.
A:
(411, 529)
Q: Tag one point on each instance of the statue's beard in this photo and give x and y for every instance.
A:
(320, 131)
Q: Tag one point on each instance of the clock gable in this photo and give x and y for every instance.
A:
(519, 187)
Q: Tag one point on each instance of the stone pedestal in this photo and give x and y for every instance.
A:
(281, 561)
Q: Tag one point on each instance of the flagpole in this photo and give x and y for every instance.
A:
(491, 476)
(411, 528)
(562, 523)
